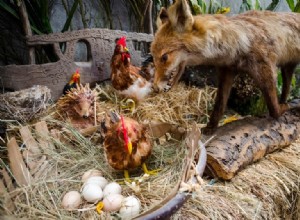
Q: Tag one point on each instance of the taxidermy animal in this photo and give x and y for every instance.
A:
(74, 81)
(255, 42)
(78, 106)
(127, 144)
(125, 77)
(148, 69)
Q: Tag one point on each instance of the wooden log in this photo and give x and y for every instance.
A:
(245, 141)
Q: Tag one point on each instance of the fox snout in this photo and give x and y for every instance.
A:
(85, 116)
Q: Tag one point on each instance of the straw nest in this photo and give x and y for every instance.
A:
(25, 105)
(266, 190)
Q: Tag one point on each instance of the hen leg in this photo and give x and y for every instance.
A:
(149, 172)
(126, 175)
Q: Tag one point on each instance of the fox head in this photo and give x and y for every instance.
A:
(174, 44)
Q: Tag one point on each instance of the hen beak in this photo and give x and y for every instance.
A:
(129, 147)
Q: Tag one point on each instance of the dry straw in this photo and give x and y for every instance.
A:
(268, 189)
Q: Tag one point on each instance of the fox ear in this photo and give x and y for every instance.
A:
(180, 16)
(162, 17)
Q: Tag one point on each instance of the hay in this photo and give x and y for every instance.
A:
(268, 189)
(24, 105)
(182, 105)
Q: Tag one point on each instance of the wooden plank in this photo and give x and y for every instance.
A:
(38, 165)
(29, 141)
(17, 165)
(7, 203)
(29, 159)
(43, 134)
(7, 180)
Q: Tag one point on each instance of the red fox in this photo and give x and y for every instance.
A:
(254, 42)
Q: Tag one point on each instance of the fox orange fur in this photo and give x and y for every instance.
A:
(255, 42)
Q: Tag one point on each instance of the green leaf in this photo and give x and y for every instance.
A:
(297, 7)
(273, 5)
(70, 16)
(196, 8)
(291, 4)
(8, 9)
(258, 5)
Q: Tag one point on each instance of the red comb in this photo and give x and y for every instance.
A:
(122, 41)
(125, 135)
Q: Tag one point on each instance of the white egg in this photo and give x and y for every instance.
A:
(71, 200)
(112, 188)
(131, 206)
(92, 192)
(112, 202)
(90, 173)
(99, 180)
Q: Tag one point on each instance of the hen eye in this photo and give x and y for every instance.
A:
(164, 58)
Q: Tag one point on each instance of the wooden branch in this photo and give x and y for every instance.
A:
(150, 17)
(245, 141)
(27, 29)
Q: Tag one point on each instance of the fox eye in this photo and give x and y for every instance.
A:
(164, 58)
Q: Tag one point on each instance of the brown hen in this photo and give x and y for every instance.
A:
(125, 77)
(127, 145)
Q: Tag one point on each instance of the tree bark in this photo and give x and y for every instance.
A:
(245, 141)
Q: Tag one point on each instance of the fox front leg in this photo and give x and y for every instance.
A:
(225, 82)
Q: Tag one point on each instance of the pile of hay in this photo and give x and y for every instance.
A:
(182, 105)
(268, 189)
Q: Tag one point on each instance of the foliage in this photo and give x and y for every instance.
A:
(137, 9)
(249, 5)
(295, 87)
(213, 7)
(38, 14)
(294, 7)
(106, 5)
(39, 19)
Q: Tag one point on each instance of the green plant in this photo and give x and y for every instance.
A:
(138, 10)
(295, 87)
(39, 19)
(106, 5)
(213, 7)
(294, 7)
(250, 5)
